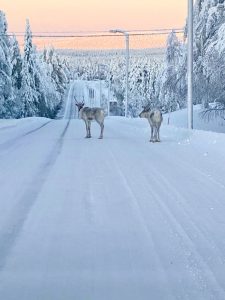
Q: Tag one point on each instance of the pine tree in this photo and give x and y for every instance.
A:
(16, 61)
(28, 91)
(172, 87)
(7, 99)
(16, 76)
(208, 18)
(57, 71)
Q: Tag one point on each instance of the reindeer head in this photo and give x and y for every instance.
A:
(145, 112)
(79, 104)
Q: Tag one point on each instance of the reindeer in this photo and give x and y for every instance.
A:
(155, 119)
(88, 114)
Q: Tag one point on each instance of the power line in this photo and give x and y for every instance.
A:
(96, 31)
(95, 35)
(102, 31)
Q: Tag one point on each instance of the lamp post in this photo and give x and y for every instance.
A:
(126, 34)
(108, 104)
(190, 64)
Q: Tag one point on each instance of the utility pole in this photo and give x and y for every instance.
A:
(127, 72)
(100, 91)
(109, 86)
(190, 64)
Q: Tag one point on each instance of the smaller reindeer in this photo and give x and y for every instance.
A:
(155, 119)
(89, 114)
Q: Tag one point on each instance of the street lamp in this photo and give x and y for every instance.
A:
(190, 64)
(126, 34)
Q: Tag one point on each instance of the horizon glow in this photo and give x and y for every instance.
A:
(94, 15)
(72, 15)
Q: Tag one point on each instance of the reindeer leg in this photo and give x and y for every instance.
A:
(89, 129)
(158, 138)
(156, 134)
(151, 139)
(101, 124)
(102, 129)
(86, 124)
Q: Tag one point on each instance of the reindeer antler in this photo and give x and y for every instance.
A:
(75, 99)
(146, 107)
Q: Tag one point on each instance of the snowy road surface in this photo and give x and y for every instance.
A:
(112, 219)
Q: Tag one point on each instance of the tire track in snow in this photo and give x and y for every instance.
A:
(11, 231)
(69, 104)
(10, 144)
(137, 208)
(186, 212)
(182, 161)
(199, 266)
(7, 127)
(197, 258)
(160, 180)
(200, 172)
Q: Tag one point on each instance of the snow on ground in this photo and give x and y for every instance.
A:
(179, 119)
(118, 218)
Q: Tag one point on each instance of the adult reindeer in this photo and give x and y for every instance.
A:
(155, 119)
(89, 114)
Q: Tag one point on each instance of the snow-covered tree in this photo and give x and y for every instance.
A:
(208, 18)
(17, 62)
(43, 80)
(209, 45)
(29, 93)
(172, 83)
(7, 98)
(33, 84)
(209, 21)
(142, 83)
(16, 76)
(59, 71)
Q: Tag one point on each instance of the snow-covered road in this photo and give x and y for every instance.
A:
(116, 219)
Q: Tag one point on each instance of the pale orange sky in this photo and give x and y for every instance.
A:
(74, 15)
